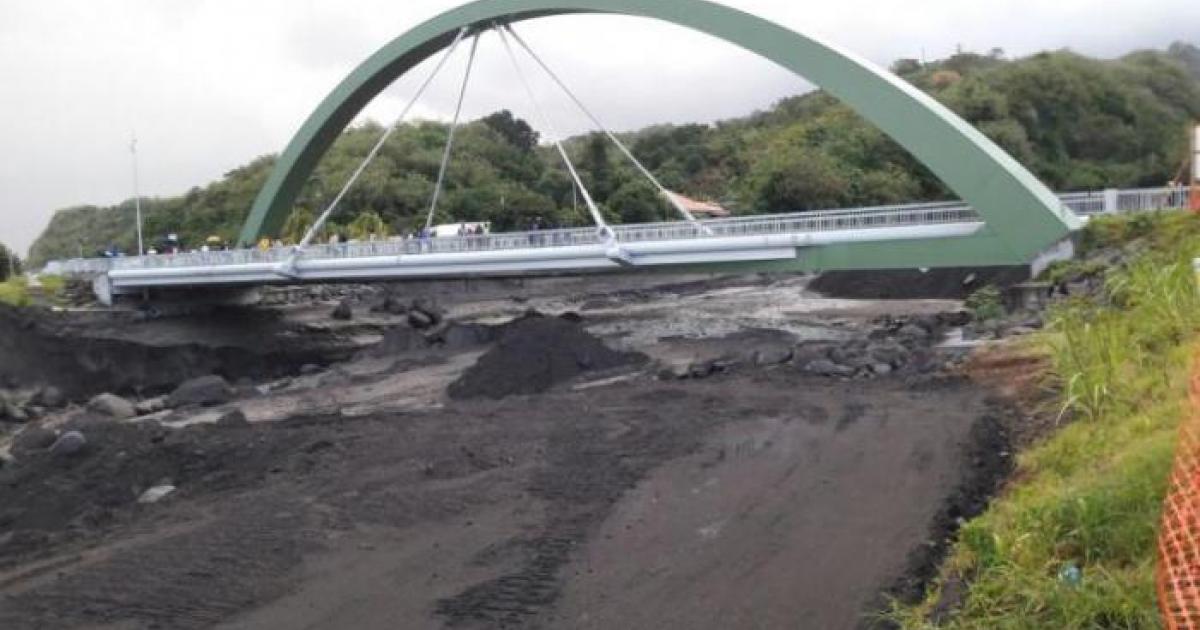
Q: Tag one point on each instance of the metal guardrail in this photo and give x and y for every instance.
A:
(1115, 201)
(933, 213)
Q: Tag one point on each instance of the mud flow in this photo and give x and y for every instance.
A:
(668, 452)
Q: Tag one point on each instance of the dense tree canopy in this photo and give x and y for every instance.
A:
(10, 264)
(1076, 122)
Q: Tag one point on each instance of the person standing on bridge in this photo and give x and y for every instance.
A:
(534, 227)
(423, 242)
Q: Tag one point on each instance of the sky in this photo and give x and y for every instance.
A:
(207, 85)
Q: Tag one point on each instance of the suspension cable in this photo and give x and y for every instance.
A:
(320, 222)
(587, 197)
(671, 197)
(462, 93)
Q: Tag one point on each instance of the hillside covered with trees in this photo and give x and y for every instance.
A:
(1076, 122)
(9, 262)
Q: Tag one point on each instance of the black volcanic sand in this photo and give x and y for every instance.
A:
(759, 497)
(954, 283)
(88, 353)
(535, 353)
(509, 513)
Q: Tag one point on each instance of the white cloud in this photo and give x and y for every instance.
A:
(211, 84)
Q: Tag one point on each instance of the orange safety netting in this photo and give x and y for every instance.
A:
(1179, 538)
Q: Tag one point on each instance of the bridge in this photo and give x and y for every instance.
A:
(785, 242)
(1005, 216)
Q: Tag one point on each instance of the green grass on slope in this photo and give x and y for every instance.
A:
(1089, 496)
(15, 291)
(48, 290)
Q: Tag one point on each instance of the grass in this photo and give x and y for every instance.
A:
(1089, 496)
(53, 286)
(15, 291)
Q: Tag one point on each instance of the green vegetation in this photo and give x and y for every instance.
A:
(10, 263)
(50, 290)
(53, 286)
(15, 292)
(985, 304)
(1076, 122)
(1089, 496)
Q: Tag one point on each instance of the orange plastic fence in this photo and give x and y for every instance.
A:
(1179, 538)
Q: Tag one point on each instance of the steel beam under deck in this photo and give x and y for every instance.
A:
(787, 249)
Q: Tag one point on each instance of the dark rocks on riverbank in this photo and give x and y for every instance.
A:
(344, 311)
(533, 354)
(112, 406)
(203, 391)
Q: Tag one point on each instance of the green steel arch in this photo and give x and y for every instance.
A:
(1023, 217)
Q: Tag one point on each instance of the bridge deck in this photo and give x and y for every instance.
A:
(729, 240)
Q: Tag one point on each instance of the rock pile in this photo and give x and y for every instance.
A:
(892, 345)
(533, 354)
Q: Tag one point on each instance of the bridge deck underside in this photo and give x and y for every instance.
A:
(928, 235)
(791, 251)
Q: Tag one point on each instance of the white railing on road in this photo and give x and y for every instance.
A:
(1115, 201)
(933, 213)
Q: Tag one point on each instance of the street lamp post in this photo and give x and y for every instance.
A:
(137, 198)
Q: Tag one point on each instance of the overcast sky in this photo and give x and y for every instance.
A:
(210, 84)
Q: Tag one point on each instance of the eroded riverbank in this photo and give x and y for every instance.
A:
(760, 466)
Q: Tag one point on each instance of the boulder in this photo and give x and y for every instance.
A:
(891, 353)
(12, 412)
(429, 308)
(420, 319)
(772, 356)
(344, 311)
(701, 369)
(233, 418)
(204, 391)
(675, 370)
(150, 405)
(50, 397)
(852, 355)
(390, 305)
(825, 367)
(808, 352)
(32, 439)
(69, 443)
(112, 406)
(882, 369)
(455, 336)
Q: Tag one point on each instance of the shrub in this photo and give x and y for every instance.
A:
(985, 304)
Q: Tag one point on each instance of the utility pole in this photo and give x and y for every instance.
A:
(137, 198)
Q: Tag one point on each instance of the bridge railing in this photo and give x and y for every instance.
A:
(1146, 199)
(78, 266)
(1115, 201)
(1082, 203)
